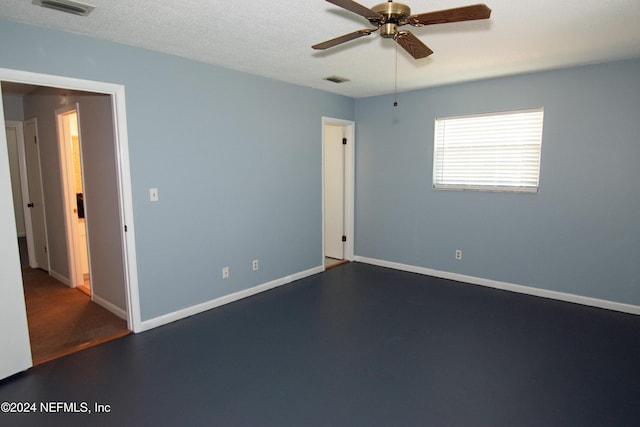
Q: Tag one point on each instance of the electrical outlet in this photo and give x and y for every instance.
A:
(225, 272)
(255, 264)
(458, 254)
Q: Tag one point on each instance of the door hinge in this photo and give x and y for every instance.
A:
(35, 139)
(344, 141)
(344, 238)
(125, 228)
(30, 205)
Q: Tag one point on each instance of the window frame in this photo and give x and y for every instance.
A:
(483, 186)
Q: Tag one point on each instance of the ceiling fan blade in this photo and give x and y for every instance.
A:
(413, 45)
(342, 39)
(357, 8)
(465, 13)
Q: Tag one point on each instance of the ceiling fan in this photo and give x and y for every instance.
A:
(387, 17)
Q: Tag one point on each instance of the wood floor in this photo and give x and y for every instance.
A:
(357, 345)
(64, 320)
(333, 262)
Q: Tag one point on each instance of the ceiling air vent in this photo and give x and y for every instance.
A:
(66, 6)
(336, 79)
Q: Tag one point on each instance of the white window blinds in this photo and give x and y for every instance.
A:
(494, 152)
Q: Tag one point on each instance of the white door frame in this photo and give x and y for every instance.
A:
(117, 93)
(22, 167)
(35, 257)
(349, 184)
(67, 178)
(26, 196)
(14, 330)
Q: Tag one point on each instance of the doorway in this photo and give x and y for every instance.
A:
(338, 182)
(60, 318)
(70, 146)
(119, 227)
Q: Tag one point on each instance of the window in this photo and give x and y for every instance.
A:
(491, 152)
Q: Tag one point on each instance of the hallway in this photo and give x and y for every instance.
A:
(63, 320)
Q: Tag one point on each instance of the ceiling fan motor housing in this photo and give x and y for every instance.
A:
(395, 15)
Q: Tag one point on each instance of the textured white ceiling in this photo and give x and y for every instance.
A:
(274, 38)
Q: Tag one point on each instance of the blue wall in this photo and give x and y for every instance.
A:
(580, 234)
(236, 159)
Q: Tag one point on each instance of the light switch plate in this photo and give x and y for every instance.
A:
(153, 194)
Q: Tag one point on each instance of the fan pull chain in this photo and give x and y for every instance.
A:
(395, 83)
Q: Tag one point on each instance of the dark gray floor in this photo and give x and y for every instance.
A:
(357, 346)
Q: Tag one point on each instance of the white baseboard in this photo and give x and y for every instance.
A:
(106, 304)
(226, 299)
(95, 298)
(561, 296)
(60, 278)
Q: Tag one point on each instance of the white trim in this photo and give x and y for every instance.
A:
(18, 127)
(67, 183)
(24, 183)
(126, 209)
(117, 93)
(226, 299)
(544, 293)
(60, 278)
(487, 188)
(349, 191)
(107, 305)
(14, 331)
(32, 249)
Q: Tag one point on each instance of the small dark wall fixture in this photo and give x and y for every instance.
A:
(80, 204)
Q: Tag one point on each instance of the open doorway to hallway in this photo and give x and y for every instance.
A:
(61, 319)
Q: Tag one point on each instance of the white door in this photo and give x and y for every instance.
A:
(14, 145)
(14, 333)
(37, 241)
(103, 214)
(72, 186)
(334, 200)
